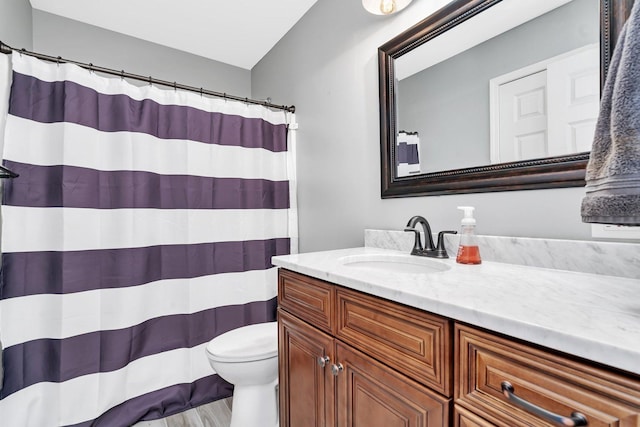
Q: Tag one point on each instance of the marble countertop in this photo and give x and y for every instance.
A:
(592, 316)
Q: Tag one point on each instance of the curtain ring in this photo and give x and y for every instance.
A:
(175, 86)
(90, 67)
(22, 50)
(224, 96)
(58, 60)
(201, 90)
(150, 81)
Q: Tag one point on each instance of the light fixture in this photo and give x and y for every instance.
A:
(384, 7)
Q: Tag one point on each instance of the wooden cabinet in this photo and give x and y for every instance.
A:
(538, 381)
(348, 359)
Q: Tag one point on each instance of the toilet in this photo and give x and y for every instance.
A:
(247, 357)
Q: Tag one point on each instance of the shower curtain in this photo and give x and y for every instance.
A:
(142, 226)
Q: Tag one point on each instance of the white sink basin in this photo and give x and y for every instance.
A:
(404, 264)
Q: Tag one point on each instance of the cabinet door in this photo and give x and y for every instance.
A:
(517, 385)
(464, 418)
(370, 394)
(306, 387)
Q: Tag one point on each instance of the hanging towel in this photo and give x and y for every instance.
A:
(613, 170)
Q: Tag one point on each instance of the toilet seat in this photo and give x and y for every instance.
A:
(245, 344)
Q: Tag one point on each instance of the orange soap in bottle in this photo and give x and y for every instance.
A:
(468, 251)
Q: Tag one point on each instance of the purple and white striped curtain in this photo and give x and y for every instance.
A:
(142, 225)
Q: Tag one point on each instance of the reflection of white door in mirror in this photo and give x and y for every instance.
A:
(546, 109)
(522, 116)
(574, 99)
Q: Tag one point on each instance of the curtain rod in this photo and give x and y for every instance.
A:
(6, 49)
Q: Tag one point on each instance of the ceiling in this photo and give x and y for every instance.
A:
(236, 32)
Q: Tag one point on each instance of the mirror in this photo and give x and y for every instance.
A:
(475, 98)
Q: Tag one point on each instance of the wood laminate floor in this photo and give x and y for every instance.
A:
(215, 414)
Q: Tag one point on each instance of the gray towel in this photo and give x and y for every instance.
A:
(613, 171)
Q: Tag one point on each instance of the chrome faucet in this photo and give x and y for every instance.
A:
(428, 250)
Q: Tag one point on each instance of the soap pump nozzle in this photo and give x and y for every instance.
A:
(468, 218)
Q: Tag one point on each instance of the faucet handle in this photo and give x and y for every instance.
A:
(441, 252)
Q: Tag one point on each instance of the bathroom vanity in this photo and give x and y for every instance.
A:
(363, 342)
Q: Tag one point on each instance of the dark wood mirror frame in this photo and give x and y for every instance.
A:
(551, 172)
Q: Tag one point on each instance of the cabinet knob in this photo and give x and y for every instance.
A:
(576, 419)
(323, 361)
(336, 369)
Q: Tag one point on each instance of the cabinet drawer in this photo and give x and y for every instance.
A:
(411, 341)
(548, 381)
(307, 298)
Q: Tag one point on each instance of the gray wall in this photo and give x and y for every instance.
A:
(15, 23)
(448, 103)
(327, 66)
(58, 36)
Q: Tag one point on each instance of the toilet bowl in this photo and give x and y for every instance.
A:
(247, 357)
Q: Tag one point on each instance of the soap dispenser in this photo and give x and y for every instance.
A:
(468, 251)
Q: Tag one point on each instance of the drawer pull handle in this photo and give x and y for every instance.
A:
(576, 419)
(323, 360)
(336, 369)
